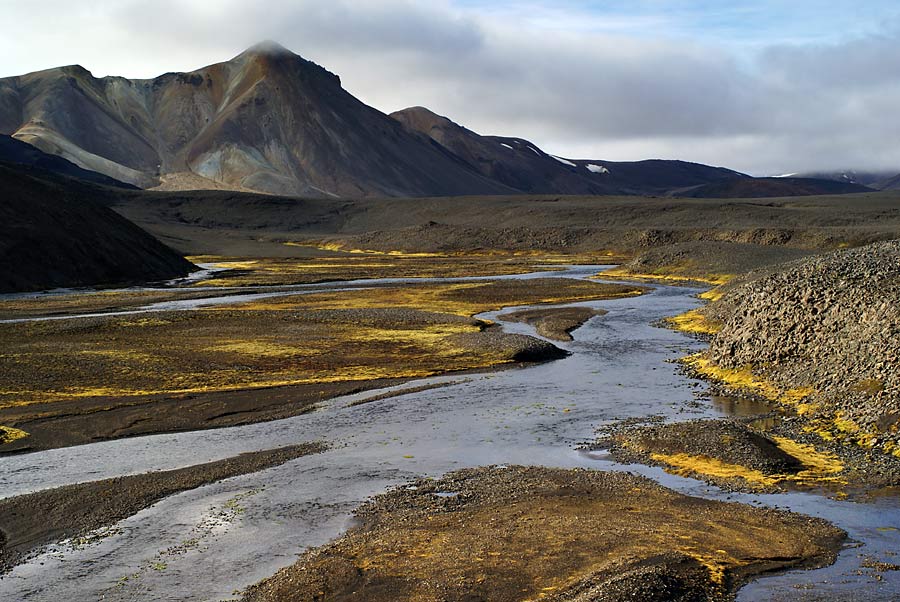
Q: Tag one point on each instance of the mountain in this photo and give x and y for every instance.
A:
(522, 165)
(267, 120)
(879, 180)
(892, 183)
(270, 121)
(20, 153)
(751, 188)
(54, 232)
(514, 162)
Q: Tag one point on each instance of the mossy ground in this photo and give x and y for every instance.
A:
(527, 533)
(359, 264)
(350, 336)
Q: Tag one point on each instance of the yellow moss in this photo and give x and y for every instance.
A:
(443, 298)
(677, 274)
(839, 428)
(340, 247)
(718, 566)
(744, 379)
(9, 434)
(118, 354)
(263, 348)
(236, 265)
(371, 353)
(712, 295)
(816, 462)
(694, 321)
(687, 464)
(818, 467)
(145, 322)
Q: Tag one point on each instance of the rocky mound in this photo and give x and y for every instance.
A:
(710, 259)
(830, 323)
(53, 234)
(726, 441)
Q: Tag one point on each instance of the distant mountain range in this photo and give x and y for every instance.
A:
(879, 180)
(270, 121)
(751, 188)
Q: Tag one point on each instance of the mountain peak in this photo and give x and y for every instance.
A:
(268, 48)
(421, 118)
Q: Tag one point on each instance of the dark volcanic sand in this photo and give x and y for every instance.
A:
(29, 522)
(80, 421)
(555, 323)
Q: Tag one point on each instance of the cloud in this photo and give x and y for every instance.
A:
(575, 82)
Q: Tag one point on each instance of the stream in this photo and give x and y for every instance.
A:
(207, 543)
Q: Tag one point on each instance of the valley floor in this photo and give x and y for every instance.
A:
(273, 357)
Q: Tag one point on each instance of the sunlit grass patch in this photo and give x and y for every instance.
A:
(745, 380)
(819, 468)
(9, 434)
(694, 321)
(679, 274)
(463, 299)
(352, 264)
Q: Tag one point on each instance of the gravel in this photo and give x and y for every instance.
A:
(829, 322)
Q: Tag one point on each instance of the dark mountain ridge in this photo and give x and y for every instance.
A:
(750, 188)
(522, 165)
(55, 233)
(20, 153)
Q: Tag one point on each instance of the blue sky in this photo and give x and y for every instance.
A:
(745, 25)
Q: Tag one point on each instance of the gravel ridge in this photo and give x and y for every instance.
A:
(829, 322)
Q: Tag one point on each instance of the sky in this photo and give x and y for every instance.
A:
(765, 87)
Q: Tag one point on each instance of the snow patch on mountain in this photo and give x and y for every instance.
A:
(561, 160)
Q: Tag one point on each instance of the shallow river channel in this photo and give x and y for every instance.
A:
(207, 543)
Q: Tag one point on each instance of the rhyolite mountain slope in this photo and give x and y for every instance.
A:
(267, 120)
(20, 153)
(271, 121)
(523, 165)
(54, 232)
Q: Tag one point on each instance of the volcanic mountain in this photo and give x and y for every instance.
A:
(522, 165)
(270, 121)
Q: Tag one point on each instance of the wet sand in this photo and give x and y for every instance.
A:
(30, 522)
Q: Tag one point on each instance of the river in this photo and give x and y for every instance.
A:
(207, 543)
